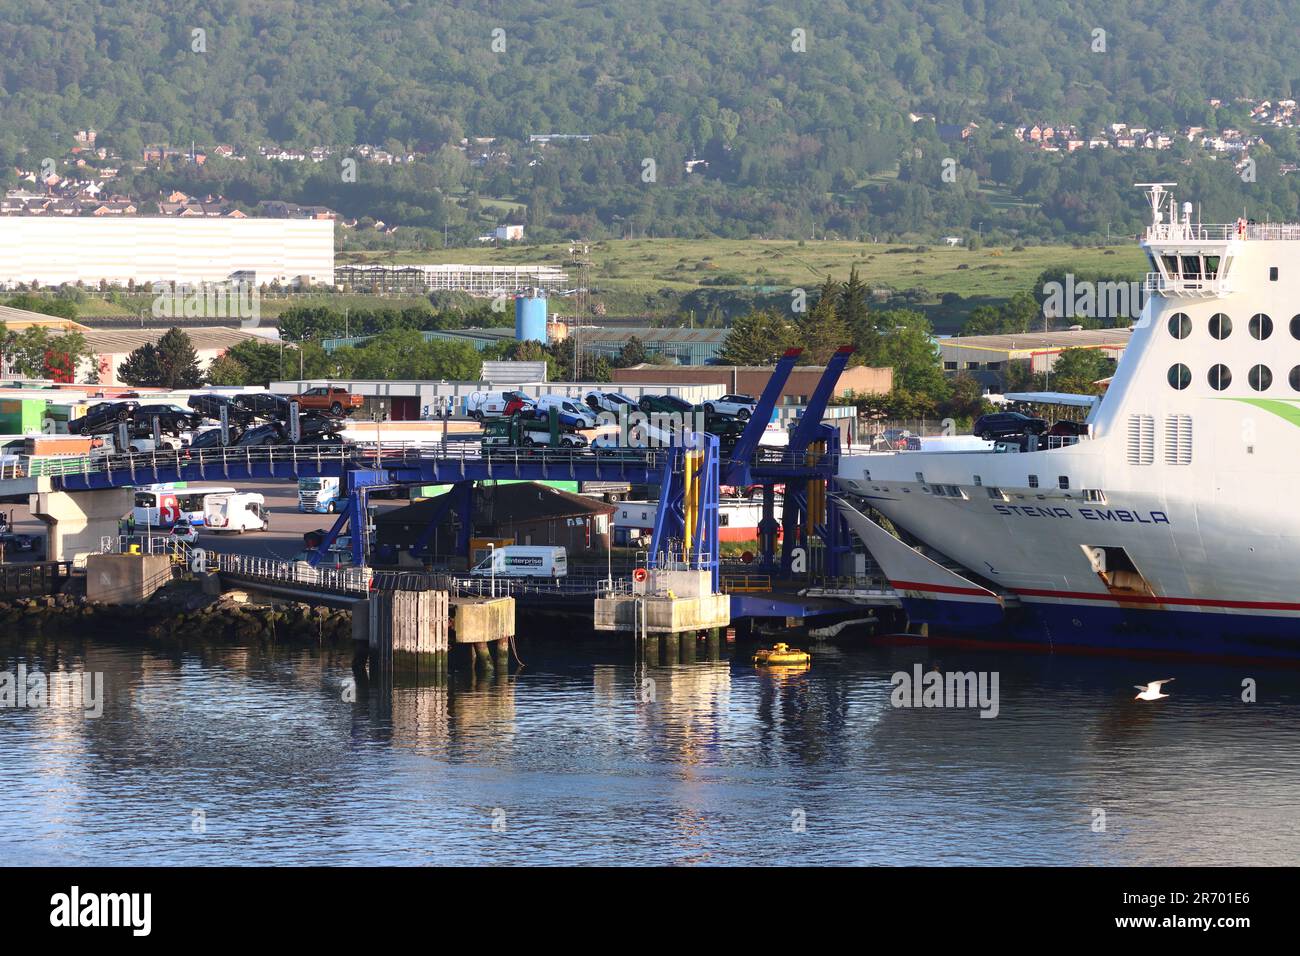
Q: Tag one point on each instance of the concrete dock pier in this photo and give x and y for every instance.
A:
(668, 602)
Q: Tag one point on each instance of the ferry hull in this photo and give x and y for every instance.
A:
(1087, 627)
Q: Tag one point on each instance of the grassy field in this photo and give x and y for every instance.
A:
(648, 265)
(650, 276)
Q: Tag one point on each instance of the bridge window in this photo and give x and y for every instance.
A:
(1272, 273)
(1211, 267)
(997, 493)
(977, 481)
(1063, 482)
(1191, 267)
(1180, 326)
(1260, 378)
(1261, 326)
(1220, 377)
(1033, 481)
(1220, 325)
(1180, 376)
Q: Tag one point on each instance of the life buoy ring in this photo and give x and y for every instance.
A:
(639, 575)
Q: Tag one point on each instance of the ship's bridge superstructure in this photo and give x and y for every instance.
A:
(1195, 259)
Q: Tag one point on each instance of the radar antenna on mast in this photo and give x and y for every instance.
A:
(1156, 198)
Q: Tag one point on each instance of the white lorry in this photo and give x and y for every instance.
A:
(238, 512)
(524, 561)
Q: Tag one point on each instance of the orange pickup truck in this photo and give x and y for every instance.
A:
(330, 399)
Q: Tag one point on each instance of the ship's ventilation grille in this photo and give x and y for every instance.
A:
(1141, 439)
(1178, 439)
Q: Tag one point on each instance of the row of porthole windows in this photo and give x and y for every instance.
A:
(1260, 377)
(1220, 326)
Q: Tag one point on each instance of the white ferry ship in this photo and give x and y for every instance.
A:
(1169, 525)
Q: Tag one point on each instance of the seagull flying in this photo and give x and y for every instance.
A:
(1151, 691)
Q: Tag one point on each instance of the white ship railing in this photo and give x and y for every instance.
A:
(1220, 232)
(1157, 284)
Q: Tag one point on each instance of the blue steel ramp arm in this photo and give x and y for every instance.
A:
(747, 444)
(806, 431)
(342, 521)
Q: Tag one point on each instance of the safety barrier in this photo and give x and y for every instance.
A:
(746, 583)
(372, 454)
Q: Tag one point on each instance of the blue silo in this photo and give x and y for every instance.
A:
(530, 317)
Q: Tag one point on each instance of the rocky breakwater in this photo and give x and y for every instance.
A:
(179, 613)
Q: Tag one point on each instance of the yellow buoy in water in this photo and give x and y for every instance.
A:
(782, 654)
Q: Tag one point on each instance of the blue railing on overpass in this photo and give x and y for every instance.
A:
(406, 462)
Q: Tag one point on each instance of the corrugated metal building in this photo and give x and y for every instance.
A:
(681, 346)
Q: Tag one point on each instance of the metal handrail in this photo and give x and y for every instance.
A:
(381, 454)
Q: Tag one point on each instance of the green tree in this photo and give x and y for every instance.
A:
(225, 369)
(170, 363)
(758, 338)
(261, 361)
(856, 317)
(63, 308)
(632, 353)
(1077, 371)
(141, 367)
(907, 345)
(821, 330)
(35, 353)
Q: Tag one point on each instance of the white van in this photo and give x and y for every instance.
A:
(238, 512)
(481, 405)
(524, 561)
(573, 412)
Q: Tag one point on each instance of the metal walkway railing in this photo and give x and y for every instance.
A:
(373, 454)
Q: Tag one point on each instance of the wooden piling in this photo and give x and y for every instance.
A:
(408, 630)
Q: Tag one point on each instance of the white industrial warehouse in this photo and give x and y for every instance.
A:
(164, 249)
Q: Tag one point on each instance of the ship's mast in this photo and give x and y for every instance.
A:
(1155, 198)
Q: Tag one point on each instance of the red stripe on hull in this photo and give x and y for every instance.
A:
(941, 589)
(1142, 599)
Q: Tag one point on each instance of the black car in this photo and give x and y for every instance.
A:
(317, 428)
(212, 438)
(266, 405)
(1008, 425)
(102, 417)
(665, 403)
(272, 434)
(209, 405)
(1068, 429)
(171, 418)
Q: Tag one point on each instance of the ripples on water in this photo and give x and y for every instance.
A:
(581, 770)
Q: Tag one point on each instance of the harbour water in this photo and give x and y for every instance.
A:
(247, 754)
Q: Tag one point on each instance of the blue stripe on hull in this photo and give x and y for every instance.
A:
(1114, 629)
(955, 613)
